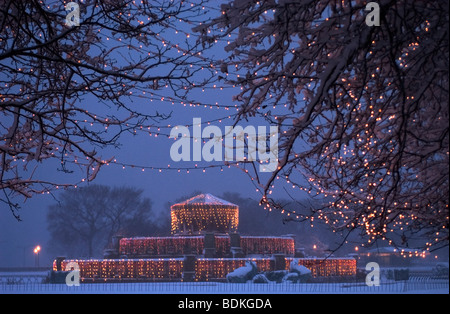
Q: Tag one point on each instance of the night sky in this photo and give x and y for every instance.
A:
(17, 239)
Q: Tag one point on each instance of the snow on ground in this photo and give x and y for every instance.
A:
(428, 287)
(32, 283)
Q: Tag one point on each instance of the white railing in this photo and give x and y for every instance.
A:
(431, 286)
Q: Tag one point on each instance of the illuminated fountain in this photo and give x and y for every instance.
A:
(204, 246)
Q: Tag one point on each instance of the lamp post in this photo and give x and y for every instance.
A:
(36, 251)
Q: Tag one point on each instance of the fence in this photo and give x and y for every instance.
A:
(426, 286)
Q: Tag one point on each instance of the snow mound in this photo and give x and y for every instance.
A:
(303, 273)
(260, 278)
(243, 274)
(292, 277)
(299, 269)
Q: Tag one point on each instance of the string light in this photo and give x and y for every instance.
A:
(204, 213)
(206, 269)
(95, 270)
(180, 245)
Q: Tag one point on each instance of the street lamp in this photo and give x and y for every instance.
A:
(36, 251)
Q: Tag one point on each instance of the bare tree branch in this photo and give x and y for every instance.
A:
(362, 110)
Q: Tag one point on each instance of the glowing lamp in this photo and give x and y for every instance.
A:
(37, 249)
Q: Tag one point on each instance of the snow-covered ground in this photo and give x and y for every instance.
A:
(424, 287)
(32, 283)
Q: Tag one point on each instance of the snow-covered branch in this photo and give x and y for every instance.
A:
(362, 110)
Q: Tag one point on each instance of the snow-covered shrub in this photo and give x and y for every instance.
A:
(260, 278)
(304, 274)
(243, 274)
(441, 270)
(293, 277)
(276, 275)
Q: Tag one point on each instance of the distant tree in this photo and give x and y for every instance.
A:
(254, 220)
(86, 218)
(362, 110)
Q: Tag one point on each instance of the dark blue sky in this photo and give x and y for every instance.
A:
(17, 239)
